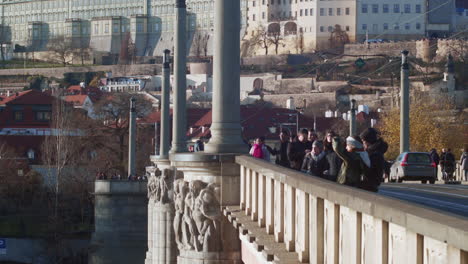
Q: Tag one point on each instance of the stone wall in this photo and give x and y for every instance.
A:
(386, 48)
(117, 70)
(279, 100)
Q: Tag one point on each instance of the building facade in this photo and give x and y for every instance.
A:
(104, 24)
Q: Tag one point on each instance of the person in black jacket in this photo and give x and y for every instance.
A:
(334, 162)
(315, 162)
(282, 153)
(297, 150)
(376, 148)
(435, 158)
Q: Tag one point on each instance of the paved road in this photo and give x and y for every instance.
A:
(450, 198)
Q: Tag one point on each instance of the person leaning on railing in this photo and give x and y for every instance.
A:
(355, 160)
(376, 148)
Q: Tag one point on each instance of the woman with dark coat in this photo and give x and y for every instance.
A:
(334, 162)
(376, 148)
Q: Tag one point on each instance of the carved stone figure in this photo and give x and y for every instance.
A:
(153, 185)
(198, 214)
(180, 191)
(160, 186)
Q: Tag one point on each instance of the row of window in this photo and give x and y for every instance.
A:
(41, 116)
(386, 26)
(279, 2)
(330, 28)
(308, 12)
(385, 8)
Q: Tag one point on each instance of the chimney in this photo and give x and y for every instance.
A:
(290, 104)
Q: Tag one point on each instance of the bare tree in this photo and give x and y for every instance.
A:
(276, 39)
(61, 49)
(261, 39)
(338, 37)
(4, 39)
(200, 43)
(459, 50)
(299, 42)
(82, 49)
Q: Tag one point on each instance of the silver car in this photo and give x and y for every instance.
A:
(413, 166)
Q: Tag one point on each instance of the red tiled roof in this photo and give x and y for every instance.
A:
(193, 116)
(29, 97)
(76, 100)
(75, 89)
(257, 121)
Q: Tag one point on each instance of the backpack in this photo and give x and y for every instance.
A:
(257, 151)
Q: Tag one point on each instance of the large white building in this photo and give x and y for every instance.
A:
(308, 25)
(105, 24)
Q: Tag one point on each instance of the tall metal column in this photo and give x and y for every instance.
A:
(166, 88)
(132, 138)
(179, 126)
(225, 127)
(404, 105)
(352, 118)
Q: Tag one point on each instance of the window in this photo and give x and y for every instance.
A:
(347, 11)
(364, 26)
(396, 8)
(407, 8)
(407, 26)
(396, 26)
(306, 12)
(43, 116)
(330, 11)
(385, 26)
(418, 9)
(375, 27)
(300, 12)
(31, 154)
(139, 27)
(364, 8)
(375, 8)
(418, 25)
(253, 3)
(347, 28)
(385, 8)
(311, 12)
(18, 116)
(106, 28)
(115, 28)
(253, 17)
(338, 11)
(322, 11)
(263, 15)
(322, 29)
(330, 28)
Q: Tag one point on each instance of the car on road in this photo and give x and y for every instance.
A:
(413, 166)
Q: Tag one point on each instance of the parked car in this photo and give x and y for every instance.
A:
(413, 166)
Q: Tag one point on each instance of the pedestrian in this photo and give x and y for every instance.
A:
(333, 161)
(355, 160)
(282, 153)
(315, 162)
(311, 138)
(199, 145)
(259, 150)
(297, 150)
(376, 148)
(464, 164)
(447, 164)
(435, 158)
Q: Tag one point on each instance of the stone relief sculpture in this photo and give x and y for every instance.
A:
(198, 216)
(160, 186)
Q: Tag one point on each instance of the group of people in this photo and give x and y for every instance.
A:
(447, 163)
(357, 161)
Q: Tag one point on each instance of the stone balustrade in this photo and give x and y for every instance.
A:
(289, 217)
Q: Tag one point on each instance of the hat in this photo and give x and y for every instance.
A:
(353, 142)
(370, 135)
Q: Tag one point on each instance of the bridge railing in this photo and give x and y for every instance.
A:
(329, 223)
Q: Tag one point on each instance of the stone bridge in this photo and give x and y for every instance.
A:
(221, 207)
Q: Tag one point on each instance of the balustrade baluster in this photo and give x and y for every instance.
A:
(242, 187)
(302, 225)
(254, 178)
(290, 218)
(270, 205)
(279, 211)
(261, 199)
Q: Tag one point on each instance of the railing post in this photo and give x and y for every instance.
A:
(242, 187)
(331, 229)
(248, 192)
(270, 206)
(348, 236)
(302, 225)
(316, 230)
(254, 178)
(290, 217)
(261, 199)
(279, 211)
